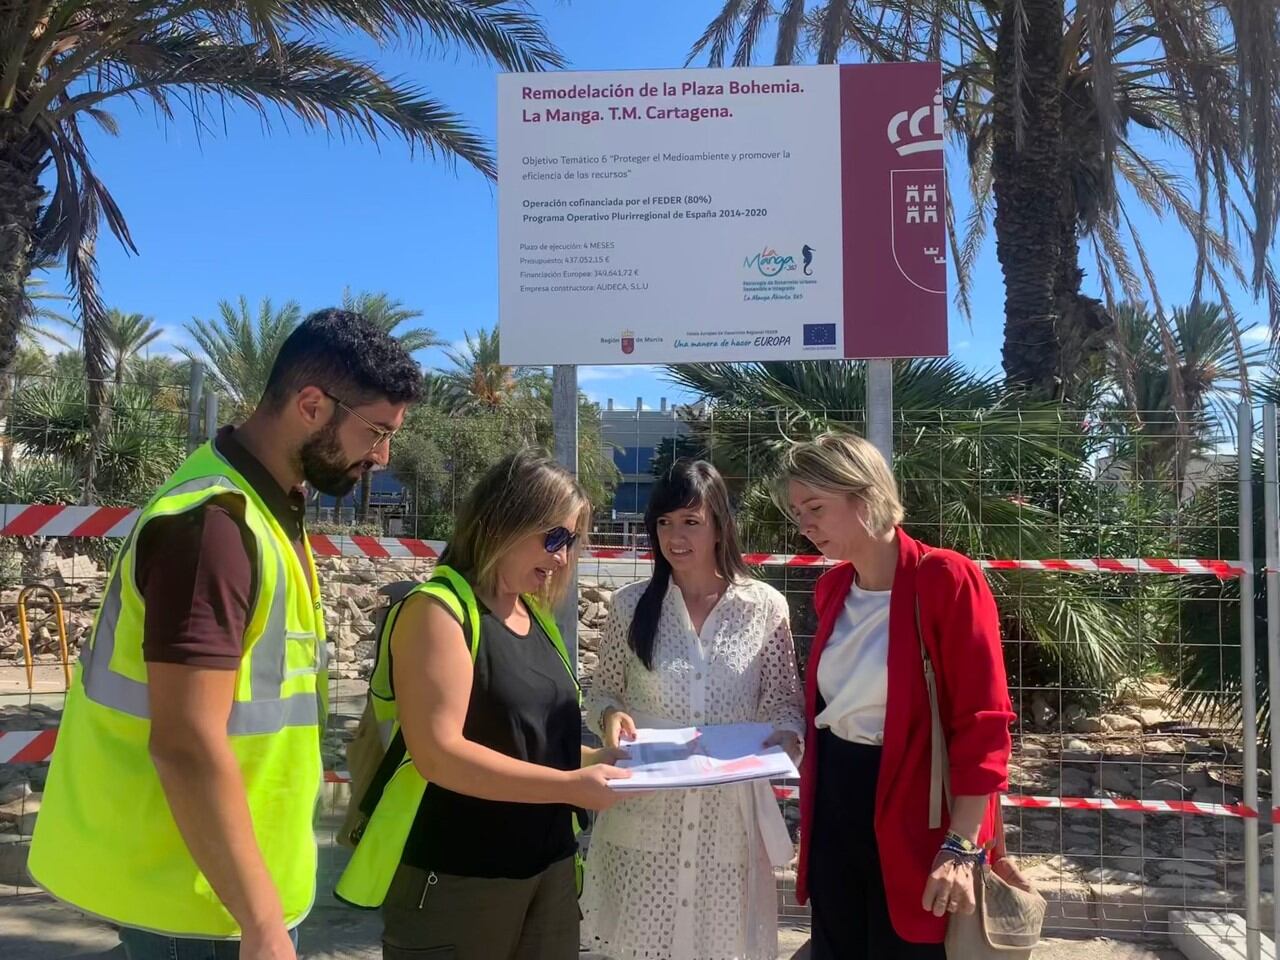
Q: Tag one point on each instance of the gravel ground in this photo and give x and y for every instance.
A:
(34, 928)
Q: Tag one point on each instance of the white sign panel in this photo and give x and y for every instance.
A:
(679, 216)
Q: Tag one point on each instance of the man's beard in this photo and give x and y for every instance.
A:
(325, 468)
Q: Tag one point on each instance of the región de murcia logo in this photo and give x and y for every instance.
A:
(914, 138)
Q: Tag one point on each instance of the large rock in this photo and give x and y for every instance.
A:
(14, 791)
(346, 637)
(1042, 714)
(1116, 778)
(19, 816)
(73, 570)
(13, 860)
(1119, 723)
(1088, 725)
(1075, 782)
(1164, 790)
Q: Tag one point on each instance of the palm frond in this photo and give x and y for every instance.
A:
(790, 20)
(752, 25)
(239, 348)
(719, 34)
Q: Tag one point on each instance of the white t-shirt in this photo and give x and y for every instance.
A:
(853, 674)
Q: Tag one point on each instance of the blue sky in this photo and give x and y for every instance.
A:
(290, 214)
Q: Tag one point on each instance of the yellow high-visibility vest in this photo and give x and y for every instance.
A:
(380, 839)
(105, 840)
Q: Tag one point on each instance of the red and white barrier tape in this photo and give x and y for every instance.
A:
(26, 746)
(1097, 804)
(36, 746)
(24, 520)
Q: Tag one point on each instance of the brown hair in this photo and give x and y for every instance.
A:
(523, 493)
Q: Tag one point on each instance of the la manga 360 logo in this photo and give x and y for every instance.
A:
(769, 262)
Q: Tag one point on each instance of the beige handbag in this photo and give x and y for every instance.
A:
(1007, 921)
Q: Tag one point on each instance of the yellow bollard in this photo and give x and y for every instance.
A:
(25, 632)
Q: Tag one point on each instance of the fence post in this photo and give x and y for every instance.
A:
(564, 416)
(195, 405)
(210, 414)
(1271, 490)
(880, 407)
(1248, 690)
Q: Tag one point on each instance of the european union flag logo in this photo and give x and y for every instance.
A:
(819, 334)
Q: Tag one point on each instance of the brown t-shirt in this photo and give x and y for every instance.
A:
(197, 571)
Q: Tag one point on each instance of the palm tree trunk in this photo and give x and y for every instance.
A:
(1084, 324)
(1027, 129)
(20, 199)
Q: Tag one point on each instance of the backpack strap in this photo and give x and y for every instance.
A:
(444, 588)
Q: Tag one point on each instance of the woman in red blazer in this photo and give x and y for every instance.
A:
(881, 881)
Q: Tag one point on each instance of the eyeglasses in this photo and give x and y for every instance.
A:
(381, 434)
(559, 538)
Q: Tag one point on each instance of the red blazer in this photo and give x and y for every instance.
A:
(962, 633)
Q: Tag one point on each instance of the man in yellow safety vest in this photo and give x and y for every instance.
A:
(182, 790)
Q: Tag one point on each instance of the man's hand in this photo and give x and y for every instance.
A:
(273, 943)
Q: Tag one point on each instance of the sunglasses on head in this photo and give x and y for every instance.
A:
(560, 538)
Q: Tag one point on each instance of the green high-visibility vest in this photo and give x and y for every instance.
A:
(393, 798)
(105, 840)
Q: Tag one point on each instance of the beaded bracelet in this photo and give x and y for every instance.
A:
(963, 849)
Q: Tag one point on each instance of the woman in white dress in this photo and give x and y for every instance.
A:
(688, 874)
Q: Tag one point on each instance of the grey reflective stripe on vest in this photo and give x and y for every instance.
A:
(264, 712)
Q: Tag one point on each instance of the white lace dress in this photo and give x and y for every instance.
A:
(688, 874)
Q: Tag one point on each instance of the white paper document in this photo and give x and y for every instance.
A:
(702, 757)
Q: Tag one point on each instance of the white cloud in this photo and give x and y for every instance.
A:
(1258, 334)
(962, 345)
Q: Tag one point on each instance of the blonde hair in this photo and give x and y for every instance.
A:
(522, 494)
(848, 464)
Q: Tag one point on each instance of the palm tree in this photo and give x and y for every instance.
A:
(142, 444)
(1048, 97)
(65, 64)
(239, 348)
(479, 382)
(127, 335)
(38, 318)
(387, 314)
(166, 379)
(982, 469)
(1158, 432)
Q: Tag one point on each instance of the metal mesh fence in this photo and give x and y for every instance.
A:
(1127, 686)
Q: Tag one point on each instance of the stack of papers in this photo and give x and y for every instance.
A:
(702, 757)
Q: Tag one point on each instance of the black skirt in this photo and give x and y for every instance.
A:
(846, 888)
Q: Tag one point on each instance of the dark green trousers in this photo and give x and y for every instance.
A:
(442, 917)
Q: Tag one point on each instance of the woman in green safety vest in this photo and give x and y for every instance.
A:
(487, 871)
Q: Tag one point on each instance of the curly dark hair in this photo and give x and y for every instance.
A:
(344, 354)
